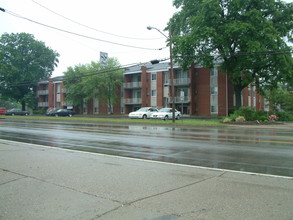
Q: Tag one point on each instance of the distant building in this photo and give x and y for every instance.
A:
(51, 93)
(198, 91)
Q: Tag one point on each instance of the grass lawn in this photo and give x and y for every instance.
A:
(118, 120)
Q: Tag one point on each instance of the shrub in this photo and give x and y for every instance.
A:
(251, 115)
(283, 116)
(240, 119)
(233, 116)
(39, 112)
(227, 120)
(247, 112)
(262, 118)
(260, 114)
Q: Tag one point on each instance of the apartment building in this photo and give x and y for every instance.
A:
(51, 94)
(198, 91)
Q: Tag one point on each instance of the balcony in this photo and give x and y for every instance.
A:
(43, 104)
(132, 85)
(43, 92)
(179, 99)
(64, 90)
(64, 103)
(181, 81)
(132, 101)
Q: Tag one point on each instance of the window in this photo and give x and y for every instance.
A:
(96, 105)
(166, 77)
(183, 93)
(58, 88)
(214, 72)
(214, 90)
(214, 109)
(182, 75)
(136, 94)
(154, 92)
(136, 78)
(154, 76)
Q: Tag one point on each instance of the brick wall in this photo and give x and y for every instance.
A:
(222, 93)
(202, 86)
(160, 89)
(145, 84)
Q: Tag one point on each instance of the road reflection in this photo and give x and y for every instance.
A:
(257, 150)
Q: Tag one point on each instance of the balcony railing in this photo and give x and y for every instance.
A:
(132, 101)
(43, 92)
(132, 85)
(181, 81)
(43, 104)
(66, 103)
(64, 90)
(179, 99)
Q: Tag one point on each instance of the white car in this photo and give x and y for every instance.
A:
(165, 114)
(143, 113)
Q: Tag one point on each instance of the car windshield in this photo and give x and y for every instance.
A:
(165, 110)
(143, 110)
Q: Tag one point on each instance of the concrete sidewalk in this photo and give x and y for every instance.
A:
(47, 183)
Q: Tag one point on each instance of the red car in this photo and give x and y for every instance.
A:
(2, 110)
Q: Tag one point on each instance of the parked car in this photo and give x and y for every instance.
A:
(165, 114)
(143, 113)
(2, 110)
(16, 111)
(51, 112)
(60, 112)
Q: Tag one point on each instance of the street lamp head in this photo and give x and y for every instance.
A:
(155, 61)
(151, 27)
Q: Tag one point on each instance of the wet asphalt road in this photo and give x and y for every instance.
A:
(267, 150)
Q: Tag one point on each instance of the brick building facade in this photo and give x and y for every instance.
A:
(198, 91)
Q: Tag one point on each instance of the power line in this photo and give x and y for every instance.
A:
(269, 52)
(83, 25)
(85, 74)
(76, 34)
(91, 73)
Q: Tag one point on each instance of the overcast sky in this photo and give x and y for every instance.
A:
(116, 21)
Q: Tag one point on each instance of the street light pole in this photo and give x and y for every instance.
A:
(171, 68)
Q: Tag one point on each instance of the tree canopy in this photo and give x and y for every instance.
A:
(88, 81)
(249, 38)
(281, 98)
(23, 62)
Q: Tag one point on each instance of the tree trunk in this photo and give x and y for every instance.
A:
(23, 105)
(238, 92)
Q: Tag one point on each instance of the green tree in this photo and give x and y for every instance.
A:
(94, 81)
(73, 82)
(23, 62)
(249, 38)
(281, 97)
